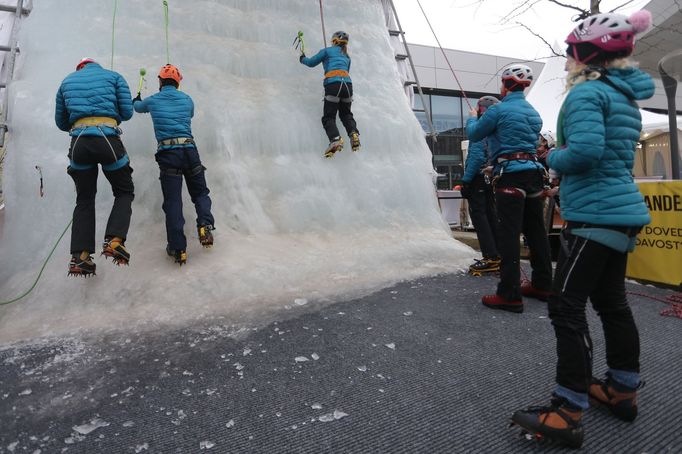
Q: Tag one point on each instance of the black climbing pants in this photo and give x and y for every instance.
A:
(338, 97)
(86, 152)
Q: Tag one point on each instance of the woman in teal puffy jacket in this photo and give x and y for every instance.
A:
(598, 130)
(338, 92)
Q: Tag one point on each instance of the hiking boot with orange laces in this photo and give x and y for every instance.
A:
(560, 422)
(619, 399)
(115, 248)
(498, 302)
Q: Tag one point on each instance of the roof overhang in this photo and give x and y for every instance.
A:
(663, 43)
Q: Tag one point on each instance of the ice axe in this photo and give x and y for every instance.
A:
(143, 72)
(298, 42)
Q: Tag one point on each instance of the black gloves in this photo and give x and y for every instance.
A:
(300, 59)
(465, 190)
(138, 97)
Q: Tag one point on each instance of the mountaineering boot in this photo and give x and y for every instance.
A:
(205, 235)
(497, 302)
(485, 265)
(355, 141)
(619, 399)
(529, 291)
(115, 248)
(180, 257)
(560, 421)
(82, 265)
(335, 145)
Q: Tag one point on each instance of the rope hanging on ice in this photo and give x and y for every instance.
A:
(324, 33)
(40, 173)
(464, 95)
(113, 30)
(42, 268)
(165, 15)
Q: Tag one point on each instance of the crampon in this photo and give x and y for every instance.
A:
(335, 146)
(114, 248)
(82, 266)
(180, 257)
(205, 235)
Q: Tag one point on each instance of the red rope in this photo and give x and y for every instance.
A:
(464, 95)
(674, 300)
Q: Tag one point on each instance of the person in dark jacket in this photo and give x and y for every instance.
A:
(177, 156)
(338, 92)
(91, 103)
(599, 127)
(519, 183)
(477, 190)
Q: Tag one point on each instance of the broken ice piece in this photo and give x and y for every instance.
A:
(315, 356)
(206, 444)
(230, 423)
(300, 301)
(327, 417)
(391, 346)
(362, 368)
(407, 314)
(142, 447)
(94, 424)
(25, 392)
(128, 424)
(316, 406)
(301, 359)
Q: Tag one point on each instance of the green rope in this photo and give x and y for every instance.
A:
(165, 13)
(113, 29)
(4, 303)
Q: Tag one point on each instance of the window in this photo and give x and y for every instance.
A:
(446, 113)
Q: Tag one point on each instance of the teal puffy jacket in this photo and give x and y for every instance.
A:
(332, 59)
(92, 92)
(601, 125)
(478, 154)
(172, 112)
(515, 125)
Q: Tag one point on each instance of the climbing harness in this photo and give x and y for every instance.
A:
(165, 15)
(299, 43)
(464, 95)
(113, 30)
(40, 173)
(94, 121)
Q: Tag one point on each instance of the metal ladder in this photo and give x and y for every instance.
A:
(408, 56)
(19, 11)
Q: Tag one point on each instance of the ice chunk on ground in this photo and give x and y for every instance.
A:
(93, 425)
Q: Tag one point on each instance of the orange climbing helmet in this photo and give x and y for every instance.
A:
(81, 64)
(170, 72)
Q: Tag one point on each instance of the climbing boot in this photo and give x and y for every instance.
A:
(355, 141)
(82, 265)
(498, 302)
(205, 235)
(335, 146)
(485, 265)
(114, 247)
(619, 399)
(180, 257)
(529, 291)
(560, 422)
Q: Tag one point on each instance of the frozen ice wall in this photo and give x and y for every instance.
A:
(290, 224)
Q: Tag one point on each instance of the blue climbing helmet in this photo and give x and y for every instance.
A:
(339, 38)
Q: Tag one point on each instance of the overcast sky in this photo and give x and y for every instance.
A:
(478, 26)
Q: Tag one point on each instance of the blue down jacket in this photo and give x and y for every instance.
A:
(515, 125)
(172, 112)
(478, 154)
(92, 92)
(601, 125)
(332, 58)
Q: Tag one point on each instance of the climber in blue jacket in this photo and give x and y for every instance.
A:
(477, 190)
(519, 184)
(597, 134)
(177, 156)
(91, 103)
(338, 92)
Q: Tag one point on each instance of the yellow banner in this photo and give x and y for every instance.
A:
(658, 255)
